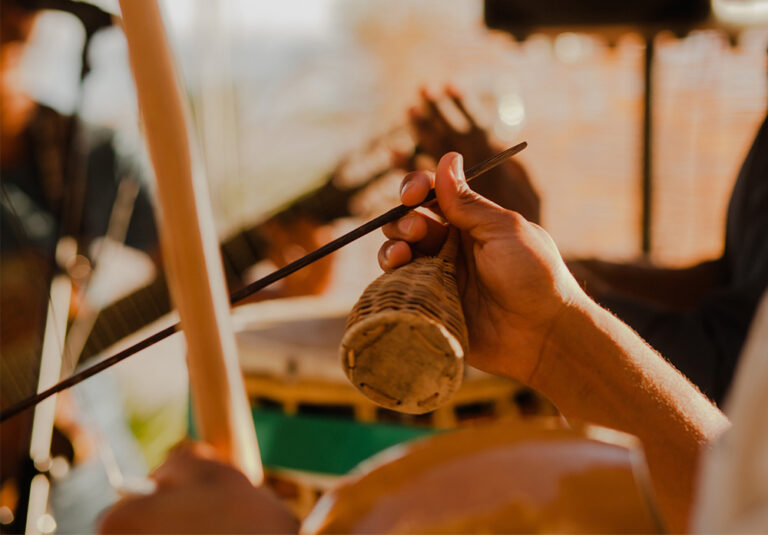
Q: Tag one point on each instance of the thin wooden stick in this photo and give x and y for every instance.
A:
(366, 228)
(235, 297)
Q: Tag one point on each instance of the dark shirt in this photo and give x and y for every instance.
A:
(46, 194)
(43, 197)
(704, 342)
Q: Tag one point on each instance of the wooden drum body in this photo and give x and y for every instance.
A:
(532, 478)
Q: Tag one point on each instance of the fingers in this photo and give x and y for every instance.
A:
(417, 226)
(461, 206)
(415, 187)
(411, 228)
(433, 131)
(434, 112)
(429, 137)
(394, 254)
(458, 100)
(424, 234)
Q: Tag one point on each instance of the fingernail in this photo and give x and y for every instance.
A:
(458, 167)
(406, 224)
(385, 253)
(405, 187)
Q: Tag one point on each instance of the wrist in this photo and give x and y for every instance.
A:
(561, 360)
(530, 352)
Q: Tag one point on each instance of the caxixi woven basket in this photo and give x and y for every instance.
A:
(406, 336)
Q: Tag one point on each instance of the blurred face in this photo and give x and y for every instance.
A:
(15, 23)
(15, 27)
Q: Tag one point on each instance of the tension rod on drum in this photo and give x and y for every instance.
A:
(239, 295)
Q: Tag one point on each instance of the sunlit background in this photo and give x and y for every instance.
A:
(280, 91)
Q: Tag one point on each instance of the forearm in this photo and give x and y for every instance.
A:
(597, 369)
(678, 287)
(527, 318)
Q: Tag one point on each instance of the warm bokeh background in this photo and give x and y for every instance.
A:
(281, 90)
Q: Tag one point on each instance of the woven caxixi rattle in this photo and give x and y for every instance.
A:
(406, 336)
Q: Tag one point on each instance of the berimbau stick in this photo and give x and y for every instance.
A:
(235, 297)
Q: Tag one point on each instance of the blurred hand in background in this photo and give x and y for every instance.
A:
(437, 132)
(198, 493)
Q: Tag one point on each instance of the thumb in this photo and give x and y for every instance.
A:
(462, 207)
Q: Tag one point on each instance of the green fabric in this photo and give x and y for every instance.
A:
(323, 444)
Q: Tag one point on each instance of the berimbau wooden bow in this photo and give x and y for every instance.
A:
(188, 241)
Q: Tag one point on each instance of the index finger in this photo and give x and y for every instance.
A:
(415, 187)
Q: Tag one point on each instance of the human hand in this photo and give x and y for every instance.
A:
(436, 133)
(512, 279)
(289, 240)
(197, 493)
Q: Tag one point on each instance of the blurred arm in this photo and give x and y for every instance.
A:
(672, 287)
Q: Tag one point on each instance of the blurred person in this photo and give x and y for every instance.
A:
(61, 177)
(698, 316)
(45, 187)
(529, 319)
